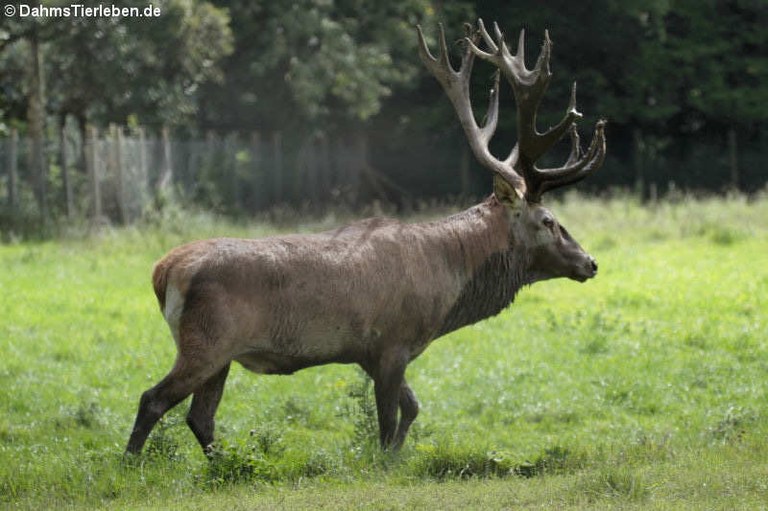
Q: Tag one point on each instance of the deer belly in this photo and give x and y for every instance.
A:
(271, 363)
(263, 362)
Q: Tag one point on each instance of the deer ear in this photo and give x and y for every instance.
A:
(506, 193)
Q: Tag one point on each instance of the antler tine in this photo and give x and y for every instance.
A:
(439, 66)
(498, 32)
(424, 53)
(486, 37)
(499, 50)
(492, 117)
(520, 54)
(445, 57)
(575, 146)
(552, 135)
(476, 50)
(542, 63)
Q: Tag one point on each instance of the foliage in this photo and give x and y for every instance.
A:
(315, 61)
(111, 69)
(641, 389)
(718, 53)
(363, 413)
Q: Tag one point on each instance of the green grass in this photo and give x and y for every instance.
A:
(642, 389)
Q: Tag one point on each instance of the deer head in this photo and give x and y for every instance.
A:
(518, 182)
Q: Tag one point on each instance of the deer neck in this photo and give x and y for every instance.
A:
(493, 270)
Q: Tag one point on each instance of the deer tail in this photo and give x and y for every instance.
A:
(160, 281)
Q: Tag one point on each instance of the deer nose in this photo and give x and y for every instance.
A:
(594, 264)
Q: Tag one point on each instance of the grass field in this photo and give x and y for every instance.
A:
(642, 389)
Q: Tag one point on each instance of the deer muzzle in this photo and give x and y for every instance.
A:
(587, 270)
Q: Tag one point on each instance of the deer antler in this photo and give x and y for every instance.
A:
(456, 86)
(519, 168)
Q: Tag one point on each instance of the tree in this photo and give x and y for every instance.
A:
(109, 69)
(312, 61)
(719, 51)
(32, 33)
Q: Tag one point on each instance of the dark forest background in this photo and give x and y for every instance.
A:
(241, 105)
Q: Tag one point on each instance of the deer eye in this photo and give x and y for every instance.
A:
(548, 222)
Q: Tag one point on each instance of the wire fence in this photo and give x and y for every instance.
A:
(116, 175)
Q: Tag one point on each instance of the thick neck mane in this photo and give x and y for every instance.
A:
(495, 269)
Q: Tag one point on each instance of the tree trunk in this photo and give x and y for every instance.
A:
(733, 157)
(92, 168)
(143, 165)
(36, 120)
(66, 179)
(326, 180)
(13, 172)
(638, 162)
(231, 148)
(82, 126)
(257, 197)
(277, 167)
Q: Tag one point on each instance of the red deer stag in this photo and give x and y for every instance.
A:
(376, 292)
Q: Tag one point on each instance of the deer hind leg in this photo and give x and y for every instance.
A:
(409, 409)
(205, 401)
(388, 378)
(186, 376)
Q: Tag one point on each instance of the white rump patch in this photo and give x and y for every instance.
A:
(174, 304)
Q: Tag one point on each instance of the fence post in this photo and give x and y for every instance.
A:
(143, 168)
(92, 168)
(255, 150)
(166, 174)
(277, 166)
(210, 149)
(116, 155)
(231, 145)
(653, 194)
(325, 166)
(311, 181)
(638, 162)
(13, 172)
